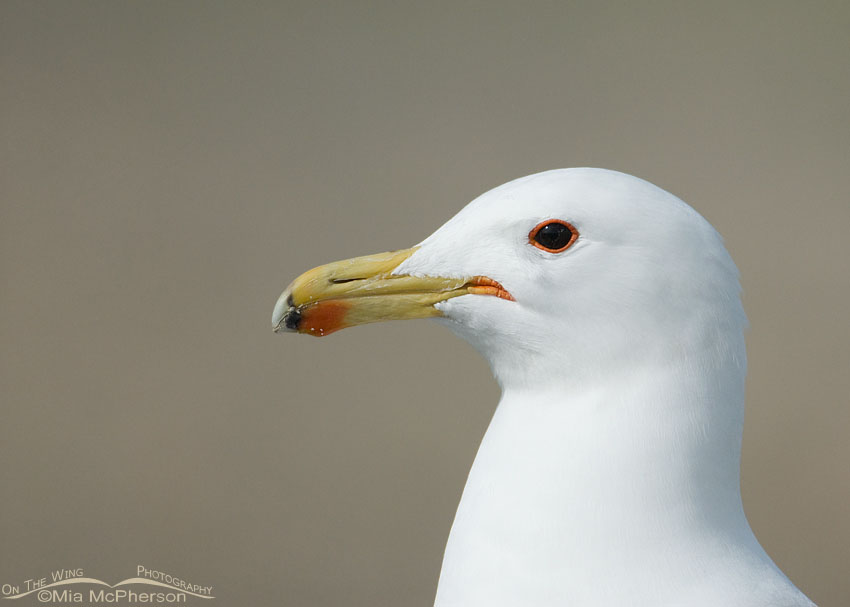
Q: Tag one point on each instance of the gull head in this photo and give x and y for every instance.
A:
(553, 277)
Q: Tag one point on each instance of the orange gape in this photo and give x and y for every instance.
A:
(324, 317)
(481, 285)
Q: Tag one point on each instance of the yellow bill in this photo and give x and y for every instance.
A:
(363, 290)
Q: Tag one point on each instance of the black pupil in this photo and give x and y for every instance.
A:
(553, 236)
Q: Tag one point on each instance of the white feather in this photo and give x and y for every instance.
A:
(609, 475)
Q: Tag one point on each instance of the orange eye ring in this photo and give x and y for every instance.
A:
(552, 235)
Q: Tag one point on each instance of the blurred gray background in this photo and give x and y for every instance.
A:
(168, 167)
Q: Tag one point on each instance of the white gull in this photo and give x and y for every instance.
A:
(610, 313)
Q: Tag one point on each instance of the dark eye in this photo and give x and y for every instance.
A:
(553, 235)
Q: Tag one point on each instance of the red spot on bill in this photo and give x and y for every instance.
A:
(324, 318)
